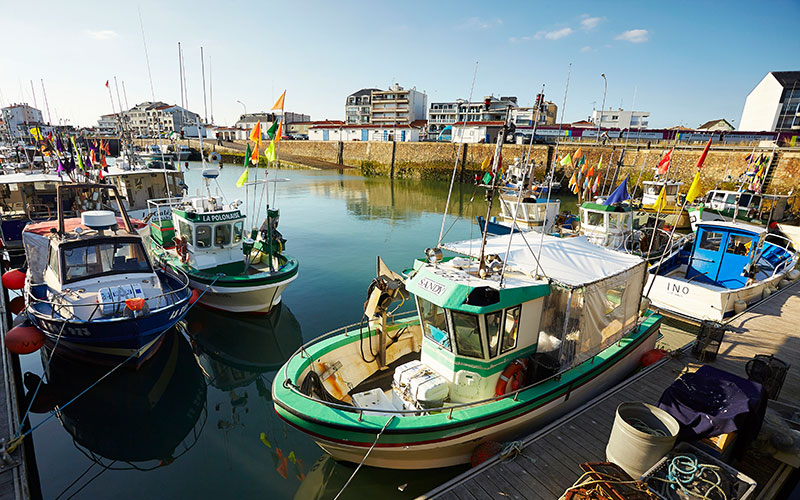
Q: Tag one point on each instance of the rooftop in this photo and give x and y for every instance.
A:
(787, 78)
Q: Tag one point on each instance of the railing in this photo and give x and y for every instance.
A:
(58, 307)
(288, 384)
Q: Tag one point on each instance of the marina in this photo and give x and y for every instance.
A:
(419, 251)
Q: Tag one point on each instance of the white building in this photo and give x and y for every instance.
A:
(620, 118)
(158, 118)
(397, 106)
(720, 125)
(357, 107)
(20, 118)
(108, 124)
(774, 104)
(407, 132)
(477, 131)
(444, 114)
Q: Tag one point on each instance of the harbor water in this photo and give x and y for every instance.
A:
(197, 421)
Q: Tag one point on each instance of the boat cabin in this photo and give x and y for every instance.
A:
(533, 213)
(140, 185)
(204, 232)
(550, 316)
(746, 204)
(651, 190)
(606, 225)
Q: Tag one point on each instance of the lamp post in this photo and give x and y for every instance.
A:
(602, 107)
(243, 106)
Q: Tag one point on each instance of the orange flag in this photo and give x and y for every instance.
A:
(279, 102)
(279, 132)
(255, 134)
(591, 171)
(254, 157)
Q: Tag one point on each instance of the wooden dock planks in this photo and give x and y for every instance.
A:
(550, 458)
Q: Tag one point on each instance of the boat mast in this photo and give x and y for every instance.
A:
(211, 90)
(203, 72)
(492, 188)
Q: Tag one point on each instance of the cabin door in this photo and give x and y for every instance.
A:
(738, 252)
(707, 256)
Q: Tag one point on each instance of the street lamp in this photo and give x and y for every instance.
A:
(600, 116)
(243, 106)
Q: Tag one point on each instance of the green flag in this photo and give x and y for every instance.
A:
(566, 161)
(247, 155)
(580, 161)
(269, 154)
(272, 129)
(77, 153)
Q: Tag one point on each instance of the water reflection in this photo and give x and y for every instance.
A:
(141, 419)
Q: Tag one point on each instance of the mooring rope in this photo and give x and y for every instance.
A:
(365, 457)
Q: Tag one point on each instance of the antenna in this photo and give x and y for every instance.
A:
(146, 56)
(47, 106)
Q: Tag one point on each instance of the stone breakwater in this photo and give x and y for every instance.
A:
(427, 160)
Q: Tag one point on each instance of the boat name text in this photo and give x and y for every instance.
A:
(218, 217)
(432, 286)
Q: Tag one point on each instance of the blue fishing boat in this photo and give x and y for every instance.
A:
(730, 267)
(92, 290)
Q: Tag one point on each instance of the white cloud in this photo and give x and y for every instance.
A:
(102, 34)
(555, 34)
(588, 48)
(633, 36)
(516, 39)
(589, 23)
(477, 23)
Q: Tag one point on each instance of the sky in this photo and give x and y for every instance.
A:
(686, 62)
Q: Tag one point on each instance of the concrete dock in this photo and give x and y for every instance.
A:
(14, 474)
(549, 461)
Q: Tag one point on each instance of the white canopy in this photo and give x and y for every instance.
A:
(25, 177)
(570, 261)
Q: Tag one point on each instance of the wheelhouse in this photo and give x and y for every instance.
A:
(84, 259)
(606, 225)
(651, 190)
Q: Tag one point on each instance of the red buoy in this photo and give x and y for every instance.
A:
(14, 279)
(17, 305)
(24, 339)
(195, 295)
(652, 356)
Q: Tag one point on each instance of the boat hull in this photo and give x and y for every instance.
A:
(260, 299)
(454, 438)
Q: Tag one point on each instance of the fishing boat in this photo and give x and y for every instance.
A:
(92, 289)
(205, 238)
(672, 210)
(182, 153)
(139, 184)
(746, 206)
(730, 267)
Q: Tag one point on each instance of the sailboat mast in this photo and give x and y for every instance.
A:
(211, 90)
(203, 72)
(491, 189)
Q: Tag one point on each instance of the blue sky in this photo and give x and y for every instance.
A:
(686, 62)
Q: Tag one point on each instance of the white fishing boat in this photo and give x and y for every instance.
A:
(730, 267)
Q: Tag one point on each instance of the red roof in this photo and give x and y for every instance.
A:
(479, 123)
(43, 228)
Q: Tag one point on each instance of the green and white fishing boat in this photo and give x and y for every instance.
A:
(509, 333)
(242, 270)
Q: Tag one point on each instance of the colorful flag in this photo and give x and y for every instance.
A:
(661, 200)
(580, 160)
(663, 164)
(107, 85)
(254, 157)
(596, 186)
(242, 178)
(572, 180)
(269, 154)
(247, 154)
(279, 102)
(566, 161)
(586, 182)
(77, 153)
(255, 134)
(591, 172)
(278, 132)
(486, 163)
(271, 130)
(36, 133)
(703, 157)
(694, 189)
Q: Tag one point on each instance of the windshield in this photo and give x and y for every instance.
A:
(97, 259)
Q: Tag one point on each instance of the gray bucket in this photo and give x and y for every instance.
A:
(633, 445)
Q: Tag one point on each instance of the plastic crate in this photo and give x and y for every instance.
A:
(742, 486)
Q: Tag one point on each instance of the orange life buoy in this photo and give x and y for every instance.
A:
(513, 374)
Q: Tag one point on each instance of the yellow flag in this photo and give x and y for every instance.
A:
(269, 154)
(279, 102)
(242, 178)
(486, 163)
(36, 134)
(661, 201)
(694, 189)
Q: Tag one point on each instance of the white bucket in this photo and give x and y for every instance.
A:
(636, 450)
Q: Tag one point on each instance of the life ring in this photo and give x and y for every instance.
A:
(215, 157)
(181, 250)
(513, 374)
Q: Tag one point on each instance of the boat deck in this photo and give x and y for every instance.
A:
(550, 458)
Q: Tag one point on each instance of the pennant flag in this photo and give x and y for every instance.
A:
(586, 182)
(247, 154)
(279, 132)
(271, 130)
(596, 186)
(566, 161)
(279, 102)
(107, 84)
(255, 134)
(269, 154)
(661, 200)
(242, 178)
(663, 164)
(580, 160)
(254, 158)
(572, 181)
(703, 157)
(619, 195)
(576, 188)
(591, 172)
(78, 153)
(694, 189)
(486, 162)
(36, 133)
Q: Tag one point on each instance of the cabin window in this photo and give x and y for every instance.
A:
(739, 245)
(186, 231)
(222, 235)
(467, 334)
(434, 323)
(52, 262)
(709, 197)
(104, 258)
(203, 236)
(237, 231)
(744, 199)
(493, 322)
(652, 189)
(618, 221)
(672, 190)
(594, 218)
(510, 329)
(710, 241)
(730, 199)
